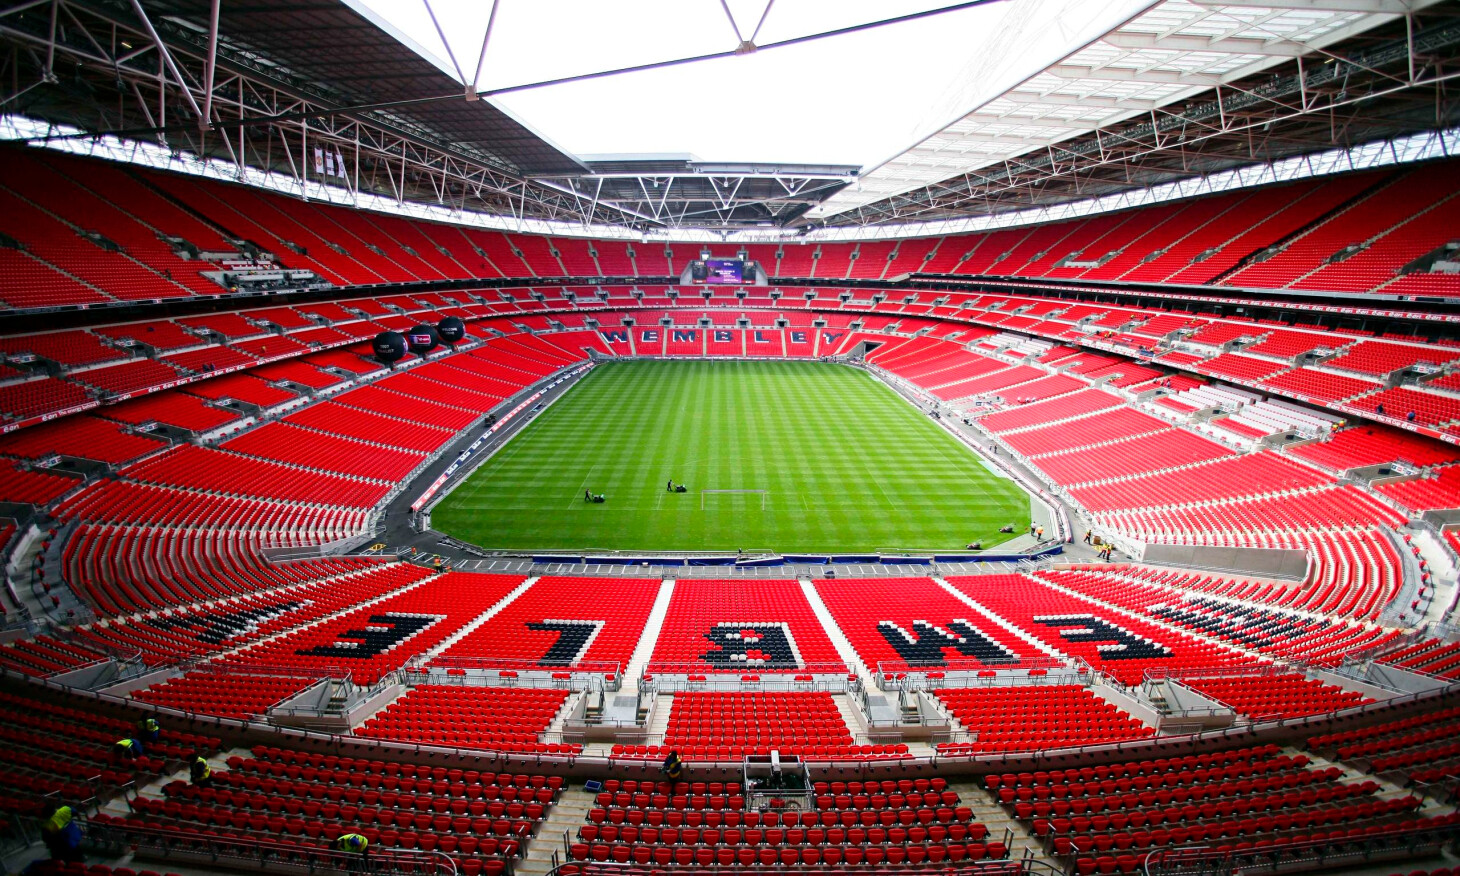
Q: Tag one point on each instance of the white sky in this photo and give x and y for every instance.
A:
(856, 99)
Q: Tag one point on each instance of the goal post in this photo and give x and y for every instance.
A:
(751, 494)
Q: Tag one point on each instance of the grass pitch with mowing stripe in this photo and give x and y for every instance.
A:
(846, 464)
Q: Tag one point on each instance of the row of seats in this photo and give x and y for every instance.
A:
(163, 637)
(1163, 594)
(1008, 719)
(1154, 244)
(369, 642)
(59, 751)
(1110, 641)
(501, 719)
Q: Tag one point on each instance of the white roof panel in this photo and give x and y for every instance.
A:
(1167, 52)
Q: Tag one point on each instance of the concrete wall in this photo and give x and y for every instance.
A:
(1261, 562)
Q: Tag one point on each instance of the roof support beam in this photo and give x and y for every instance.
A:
(1121, 74)
(171, 64)
(1190, 43)
(210, 66)
(1055, 98)
(1384, 7)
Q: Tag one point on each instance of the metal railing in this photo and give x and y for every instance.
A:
(261, 855)
(971, 672)
(1016, 867)
(674, 677)
(1148, 747)
(516, 673)
(1282, 856)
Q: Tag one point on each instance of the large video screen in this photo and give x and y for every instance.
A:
(724, 271)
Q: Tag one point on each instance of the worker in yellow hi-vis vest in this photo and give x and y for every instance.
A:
(357, 844)
(199, 771)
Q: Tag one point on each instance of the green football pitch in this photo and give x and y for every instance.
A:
(811, 456)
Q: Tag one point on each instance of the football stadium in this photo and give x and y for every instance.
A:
(639, 438)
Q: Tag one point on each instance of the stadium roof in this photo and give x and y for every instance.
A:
(1171, 50)
(1127, 95)
(330, 44)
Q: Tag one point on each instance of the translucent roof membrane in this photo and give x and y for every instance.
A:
(854, 98)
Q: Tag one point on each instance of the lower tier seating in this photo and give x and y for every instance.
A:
(1030, 718)
(480, 819)
(729, 726)
(704, 824)
(498, 718)
(57, 751)
(1417, 749)
(227, 695)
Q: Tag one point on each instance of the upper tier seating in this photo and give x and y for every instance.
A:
(729, 726)
(51, 199)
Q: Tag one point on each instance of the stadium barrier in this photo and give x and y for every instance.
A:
(967, 672)
(1350, 848)
(209, 849)
(494, 672)
(261, 731)
(1023, 867)
(675, 677)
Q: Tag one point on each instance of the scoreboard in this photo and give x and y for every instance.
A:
(719, 271)
(724, 271)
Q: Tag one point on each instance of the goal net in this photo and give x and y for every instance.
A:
(723, 500)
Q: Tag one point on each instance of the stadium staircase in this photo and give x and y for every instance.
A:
(844, 648)
(1001, 824)
(446, 643)
(644, 650)
(999, 621)
(556, 833)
